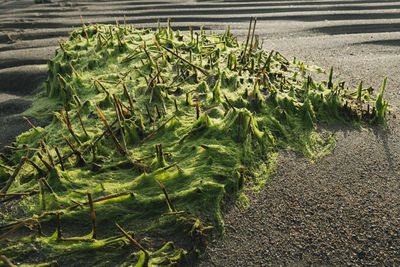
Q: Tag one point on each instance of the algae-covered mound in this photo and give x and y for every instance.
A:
(150, 132)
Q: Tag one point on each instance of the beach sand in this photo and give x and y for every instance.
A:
(342, 209)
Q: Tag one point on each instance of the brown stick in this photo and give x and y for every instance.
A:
(252, 36)
(102, 87)
(19, 194)
(59, 158)
(148, 113)
(83, 126)
(229, 102)
(141, 166)
(8, 197)
(239, 122)
(179, 74)
(12, 147)
(154, 119)
(100, 199)
(22, 149)
(132, 240)
(166, 195)
(62, 47)
(69, 143)
(190, 133)
(27, 220)
(81, 160)
(152, 156)
(39, 170)
(186, 61)
(204, 146)
(197, 110)
(43, 179)
(77, 203)
(247, 40)
(159, 72)
(128, 96)
(18, 226)
(42, 194)
(119, 40)
(163, 105)
(30, 123)
(45, 163)
(69, 126)
(118, 145)
(59, 231)
(147, 53)
(75, 240)
(152, 87)
(74, 71)
(121, 130)
(131, 56)
(268, 61)
(83, 29)
(6, 261)
(172, 213)
(157, 130)
(48, 152)
(11, 231)
(158, 111)
(13, 176)
(120, 107)
(170, 166)
(104, 133)
(121, 79)
(7, 168)
(176, 105)
(92, 214)
(248, 127)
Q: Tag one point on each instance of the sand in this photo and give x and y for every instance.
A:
(343, 209)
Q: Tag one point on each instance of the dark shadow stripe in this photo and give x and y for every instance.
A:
(198, 10)
(67, 27)
(13, 106)
(48, 34)
(293, 2)
(19, 126)
(12, 83)
(359, 28)
(18, 46)
(11, 63)
(204, 19)
(246, 7)
(391, 42)
(268, 3)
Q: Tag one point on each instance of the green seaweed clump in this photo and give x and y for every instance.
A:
(150, 131)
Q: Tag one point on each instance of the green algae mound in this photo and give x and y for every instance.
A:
(150, 131)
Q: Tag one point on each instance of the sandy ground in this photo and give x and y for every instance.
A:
(343, 209)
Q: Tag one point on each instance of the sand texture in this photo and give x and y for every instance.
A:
(342, 210)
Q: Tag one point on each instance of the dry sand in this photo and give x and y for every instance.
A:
(342, 210)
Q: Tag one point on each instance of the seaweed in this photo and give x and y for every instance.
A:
(136, 110)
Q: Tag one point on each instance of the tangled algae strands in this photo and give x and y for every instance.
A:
(150, 131)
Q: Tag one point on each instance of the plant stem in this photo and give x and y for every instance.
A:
(92, 214)
(13, 176)
(118, 145)
(171, 206)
